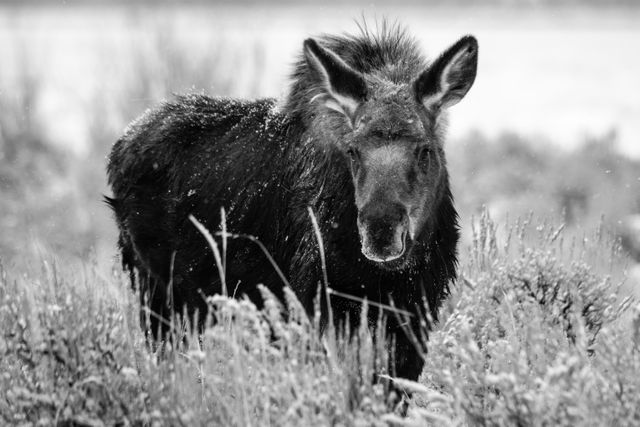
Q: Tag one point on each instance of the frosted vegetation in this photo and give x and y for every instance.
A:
(533, 335)
(541, 329)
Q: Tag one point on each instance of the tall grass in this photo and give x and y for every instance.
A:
(533, 340)
(526, 339)
(71, 354)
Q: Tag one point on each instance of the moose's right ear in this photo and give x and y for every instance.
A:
(342, 88)
(448, 79)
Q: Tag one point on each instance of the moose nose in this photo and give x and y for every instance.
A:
(383, 231)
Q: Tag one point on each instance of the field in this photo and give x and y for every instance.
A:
(534, 334)
(543, 328)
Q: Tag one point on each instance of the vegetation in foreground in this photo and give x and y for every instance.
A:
(531, 336)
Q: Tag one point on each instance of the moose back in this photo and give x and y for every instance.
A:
(359, 139)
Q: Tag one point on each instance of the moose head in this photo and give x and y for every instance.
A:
(392, 135)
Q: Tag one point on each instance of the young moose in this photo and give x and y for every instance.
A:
(359, 139)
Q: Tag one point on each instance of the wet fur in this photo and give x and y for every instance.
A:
(265, 166)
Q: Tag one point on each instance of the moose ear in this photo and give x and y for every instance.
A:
(448, 79)
(342, 88)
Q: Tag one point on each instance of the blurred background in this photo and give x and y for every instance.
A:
(552, 125)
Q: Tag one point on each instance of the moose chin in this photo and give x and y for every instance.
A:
(359, 139)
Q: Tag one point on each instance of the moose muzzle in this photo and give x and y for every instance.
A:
(384, 230)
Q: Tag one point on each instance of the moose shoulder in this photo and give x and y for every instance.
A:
(359, 139)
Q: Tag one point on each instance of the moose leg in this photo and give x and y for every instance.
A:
(407, 363)
(407, 360)
(155, 312)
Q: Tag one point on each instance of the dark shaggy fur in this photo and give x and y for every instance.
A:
(264, 166)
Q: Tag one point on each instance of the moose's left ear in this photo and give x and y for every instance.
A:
(449, 78)
(341, 87)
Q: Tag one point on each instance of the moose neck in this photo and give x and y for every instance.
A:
(441, 252)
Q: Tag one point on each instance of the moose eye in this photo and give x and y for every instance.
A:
(354, 160)
(423, 155)
(353, 154)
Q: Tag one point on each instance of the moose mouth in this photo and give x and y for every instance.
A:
(386, 255)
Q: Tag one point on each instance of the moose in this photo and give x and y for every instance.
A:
(358, 140)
